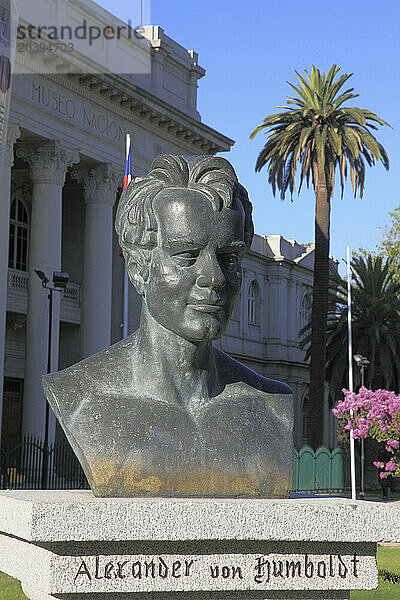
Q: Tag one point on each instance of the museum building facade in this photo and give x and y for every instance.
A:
(63, 171)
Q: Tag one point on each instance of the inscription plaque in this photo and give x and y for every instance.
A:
(215, 572)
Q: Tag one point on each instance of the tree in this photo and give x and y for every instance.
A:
(389, 245)
(375, 326)
(375, 415)
(321, 135)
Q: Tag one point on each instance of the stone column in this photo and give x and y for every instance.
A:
(13, 133)
(275, 305)
(48, 167)
(100, 188)
(243, 329)
(292, 334)
(192, 92)
(157, 70)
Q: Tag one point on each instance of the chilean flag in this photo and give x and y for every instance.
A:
(128, 168)
(128, 171)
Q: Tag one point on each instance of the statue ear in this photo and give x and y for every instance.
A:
(136, 280)
(137, 267)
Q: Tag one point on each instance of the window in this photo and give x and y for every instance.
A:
(252, 303)
(18, 237)
(305, 310)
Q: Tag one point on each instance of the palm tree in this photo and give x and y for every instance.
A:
(324, 137)
(375, 325)
(375, 295)
(376, 335)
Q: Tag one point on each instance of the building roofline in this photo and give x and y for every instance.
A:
(129, 94)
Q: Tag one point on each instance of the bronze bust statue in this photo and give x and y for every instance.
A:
(163, 412)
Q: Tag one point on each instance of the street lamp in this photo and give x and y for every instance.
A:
(60, 281)
(362, 362)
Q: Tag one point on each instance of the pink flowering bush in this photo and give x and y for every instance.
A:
(377, 415)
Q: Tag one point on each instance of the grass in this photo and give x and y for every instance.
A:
(388, 558)
(10, 589)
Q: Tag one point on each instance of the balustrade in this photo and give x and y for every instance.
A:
(18, 296)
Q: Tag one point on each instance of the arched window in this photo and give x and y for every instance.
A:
(305, 310)
(19, 236)
(253, 304)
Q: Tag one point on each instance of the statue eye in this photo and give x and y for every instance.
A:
(187, 257)
(229, 261)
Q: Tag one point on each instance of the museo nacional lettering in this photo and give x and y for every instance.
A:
(163, 412)
(73, 109)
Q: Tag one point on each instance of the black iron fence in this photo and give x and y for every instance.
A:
(21, 466)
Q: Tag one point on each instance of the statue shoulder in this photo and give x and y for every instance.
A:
(234, 371)
(66, 390)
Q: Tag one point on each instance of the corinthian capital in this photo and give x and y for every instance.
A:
(13, 133)
(49, 162)
(100, 184)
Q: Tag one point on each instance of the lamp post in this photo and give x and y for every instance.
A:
(362, 362)
(60, 281)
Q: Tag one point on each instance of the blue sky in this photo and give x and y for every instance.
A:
(250, 50)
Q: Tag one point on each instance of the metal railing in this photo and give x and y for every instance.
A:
(21, 466)
(320, 471)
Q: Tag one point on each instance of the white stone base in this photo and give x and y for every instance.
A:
(70, 544)
(34, 594)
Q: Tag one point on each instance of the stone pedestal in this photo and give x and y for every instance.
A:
(67, 544)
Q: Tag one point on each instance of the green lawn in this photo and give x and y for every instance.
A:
(10, 589)
(388, 558)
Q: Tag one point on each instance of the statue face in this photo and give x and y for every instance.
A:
(195, 272)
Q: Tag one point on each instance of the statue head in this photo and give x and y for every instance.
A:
(183, 230)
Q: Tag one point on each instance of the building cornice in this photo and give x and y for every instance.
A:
(140, 102)
(130, 100)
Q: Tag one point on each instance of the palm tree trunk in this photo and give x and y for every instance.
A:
(319, 308)
(371, 367)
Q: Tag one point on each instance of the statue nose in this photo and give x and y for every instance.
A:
(211, 274)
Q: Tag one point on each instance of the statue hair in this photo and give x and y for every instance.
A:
(135, 221)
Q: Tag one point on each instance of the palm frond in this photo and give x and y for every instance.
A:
(324, 131)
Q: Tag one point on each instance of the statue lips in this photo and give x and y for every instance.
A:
(207, 308)
(207, 305)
